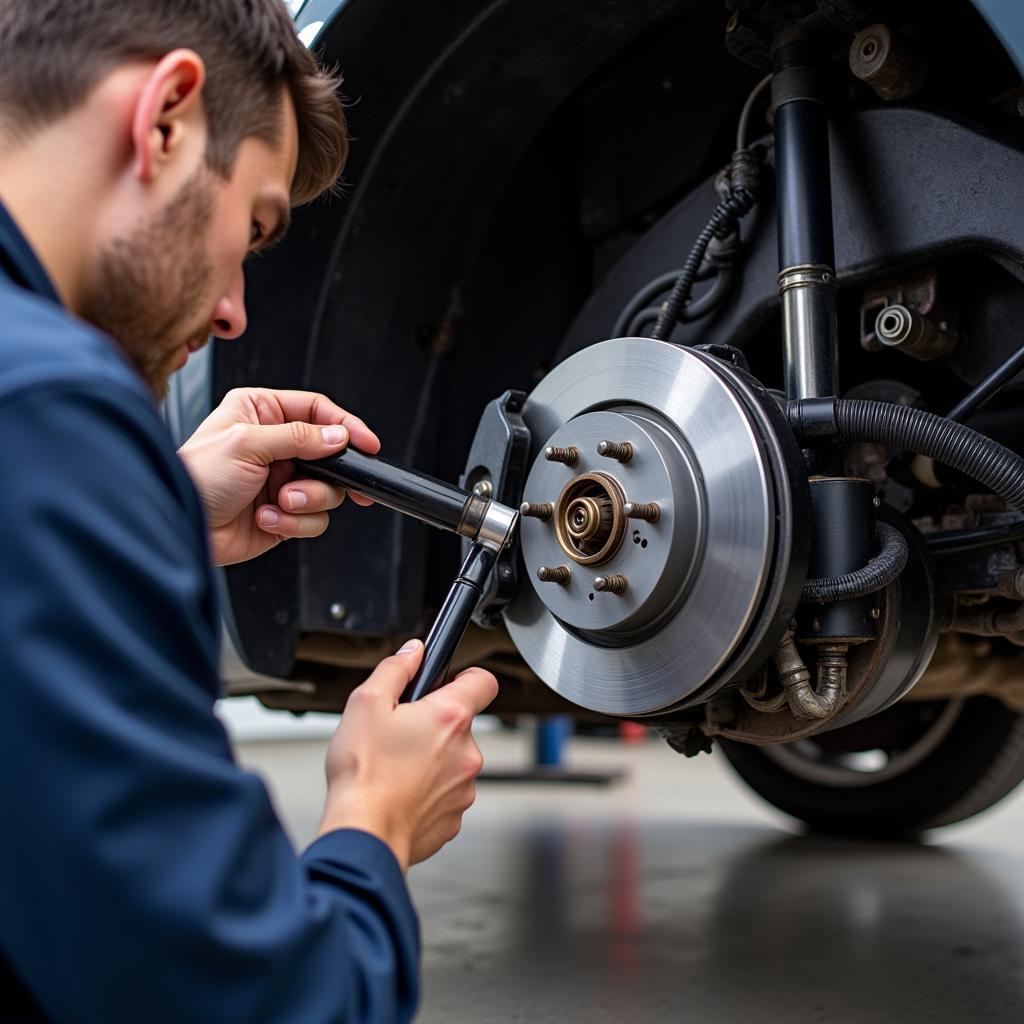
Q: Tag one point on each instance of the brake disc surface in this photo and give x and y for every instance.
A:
(641, 615)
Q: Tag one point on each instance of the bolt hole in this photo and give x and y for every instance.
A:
(890, 323)
(591, 597)
(869, 49)
(643, 543)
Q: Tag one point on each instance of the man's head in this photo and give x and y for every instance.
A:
(191, 125)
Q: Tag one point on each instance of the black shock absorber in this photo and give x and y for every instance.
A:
(807, 278)
(843, 527)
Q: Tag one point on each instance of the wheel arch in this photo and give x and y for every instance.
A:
(378, 296)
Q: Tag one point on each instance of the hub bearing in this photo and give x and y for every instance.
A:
(657, 612)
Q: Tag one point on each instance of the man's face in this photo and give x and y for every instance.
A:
(162, 290)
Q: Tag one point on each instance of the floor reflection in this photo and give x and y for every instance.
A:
(598, 921)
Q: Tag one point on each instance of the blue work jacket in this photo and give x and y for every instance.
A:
(144, 877)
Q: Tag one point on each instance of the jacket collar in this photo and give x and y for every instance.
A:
(20, 263)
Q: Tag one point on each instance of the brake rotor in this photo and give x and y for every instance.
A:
(667, 545)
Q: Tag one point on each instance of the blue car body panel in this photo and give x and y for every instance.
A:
(1007, 20)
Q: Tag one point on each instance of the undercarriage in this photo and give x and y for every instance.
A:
(727, 297)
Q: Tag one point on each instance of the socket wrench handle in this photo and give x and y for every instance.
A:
(488, 525)
(396, 487)
(447, 631)
(415, 494)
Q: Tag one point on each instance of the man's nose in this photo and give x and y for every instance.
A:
(229, 320)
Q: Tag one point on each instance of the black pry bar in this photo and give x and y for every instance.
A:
(488, 525)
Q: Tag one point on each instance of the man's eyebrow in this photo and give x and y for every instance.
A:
(284, 218)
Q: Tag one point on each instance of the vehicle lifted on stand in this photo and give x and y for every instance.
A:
(764, 428)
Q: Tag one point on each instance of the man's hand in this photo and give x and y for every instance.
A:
(404, 772)
(240, 460)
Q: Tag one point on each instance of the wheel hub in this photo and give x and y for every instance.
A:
(667, 518)
(591, 535)
(589, 518)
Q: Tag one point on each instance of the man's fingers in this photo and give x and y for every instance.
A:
(318, 409)
(305, 496)
(362, 436)
(474, 689)
(272, 519)
(278, 475)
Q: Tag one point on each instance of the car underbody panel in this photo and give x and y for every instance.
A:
(527, 182)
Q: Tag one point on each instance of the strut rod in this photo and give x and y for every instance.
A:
(990, 386)
(807, 278)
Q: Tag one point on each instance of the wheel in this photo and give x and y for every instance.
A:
(916, 766)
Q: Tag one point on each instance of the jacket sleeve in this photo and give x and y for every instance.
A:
(143, 875)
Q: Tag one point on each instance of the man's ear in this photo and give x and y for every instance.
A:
(170, 97)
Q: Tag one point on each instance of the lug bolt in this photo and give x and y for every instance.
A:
(554, 574)
(649, 513)
(620, 451)
(610, 584)
(538, 510)
(483, 489)
(569, 456)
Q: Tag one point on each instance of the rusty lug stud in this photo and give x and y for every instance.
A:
(649, 513)
(621, 451)
(554, 574)
(610, 584)
(569, 456)
(537, 510)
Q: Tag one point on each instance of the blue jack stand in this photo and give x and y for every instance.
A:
(549, 745)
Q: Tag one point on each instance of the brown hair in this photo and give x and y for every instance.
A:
(54, 52)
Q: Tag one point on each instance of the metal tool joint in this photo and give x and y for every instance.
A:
(497, 527)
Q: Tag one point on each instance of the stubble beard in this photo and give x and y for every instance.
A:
(150, 287)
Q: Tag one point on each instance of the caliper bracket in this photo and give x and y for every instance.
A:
(496, 469)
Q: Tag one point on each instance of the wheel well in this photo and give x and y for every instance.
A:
(505, 158)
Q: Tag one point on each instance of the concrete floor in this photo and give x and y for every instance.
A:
(678, 896)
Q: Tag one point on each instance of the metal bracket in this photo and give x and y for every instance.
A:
(496, 469)
(727, 354)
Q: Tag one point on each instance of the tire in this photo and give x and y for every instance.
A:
(916, 766)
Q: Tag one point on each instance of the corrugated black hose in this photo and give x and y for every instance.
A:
(875, 576)
(913, 430)
(740, 200)
(935, 437)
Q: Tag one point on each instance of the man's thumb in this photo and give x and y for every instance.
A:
(297, 439)
(394, 674)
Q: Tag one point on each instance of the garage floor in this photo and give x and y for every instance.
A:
(677, 896)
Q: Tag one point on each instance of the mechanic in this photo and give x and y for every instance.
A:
(146, 147)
